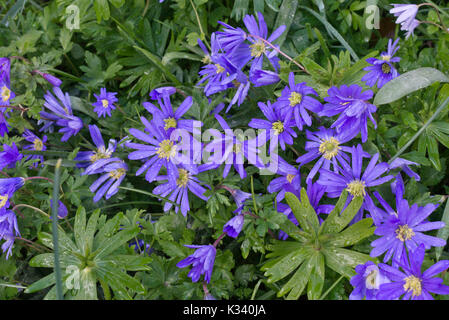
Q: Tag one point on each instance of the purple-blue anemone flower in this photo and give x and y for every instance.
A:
(278, 130)
(5, 93)
(382, 70)
(179, 193)
(354, 109)
(8, 187)
(289, 181)
(261, 77)
(366, 282)
(404, 165)
(406, 14)
(231, 149)
(259, 48)
(231, 38)
(37, 144)
(350, 178)
(167, 118)
(161, 151)
(89, 158)
(234, 226)
(160, 93)
(295, 100)
(61, 116)
(3, 123)
(9, 156)
(109, 182)
(140, 246)
(402, 229)
(202, 261)
(62, 209)
(5, 70)
(239, 197)
(9, 230)
(326, 145)
(411, 283)
(105, 103)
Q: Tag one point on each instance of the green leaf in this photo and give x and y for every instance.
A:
(285, 16)
(407, 83)
(343, 261)
(79, 228)
(42, 283)
(173, 249)
(115, 242)
(443, 233)
(316, 281)
(432, 149)
(332, 31)
(353, 234)
(286, 265)
(298, 282)
(102, 10)
(336, 222)
(88, 285)
(304, 212)
(159, 64)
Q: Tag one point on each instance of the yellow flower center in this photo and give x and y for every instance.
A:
(386, 58)
(278, 127)
(257, 49)
(170, 123)
(166, 149)
(356, 188)
(100, 154)
(290, 177)
(237, 148)
(413, 283)
(105, 103)
(370, 280)
(206, 59)
(38, 144)
(295, 98)
(6, 93)
(404, 233)
(329, 148)
(220, 69)
(116, 174)
(386, 68)
(183, 178)
(3, 200)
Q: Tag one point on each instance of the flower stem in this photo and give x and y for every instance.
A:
(57, 266)
(424, 127)
(38, 177)
(438, 14)
(219, 239)
(30, 207)
(279, 51)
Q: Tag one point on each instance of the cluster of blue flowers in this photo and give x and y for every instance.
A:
(175, 160)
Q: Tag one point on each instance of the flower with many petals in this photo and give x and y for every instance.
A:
(202, 261)
(105, 103)
(367, 281)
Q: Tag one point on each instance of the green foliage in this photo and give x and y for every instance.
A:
(93, 254)
(316, 247)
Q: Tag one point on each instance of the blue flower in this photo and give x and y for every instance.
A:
(234, 226)
(295, 100)
(351, 103)
(232, 150)
(382, 70)
(168, 119)
(113, 175)
(37, 144)
(411, 283)
(353, 180)
(406, 14)
(105, 103)
(277, 128)
(290, 181)
(367, 281)
(404, 165)
(185, 182)
(61, 116)
(62, 209)
(8, 187)
(261, 77)
(202, 261)
(9, 156)
(326, 145)
(9, 230)
(92, 159)
(402, 229)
